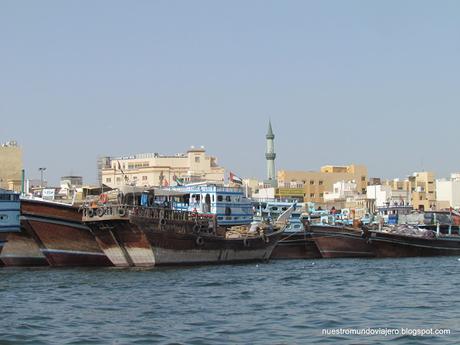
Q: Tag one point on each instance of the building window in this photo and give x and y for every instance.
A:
(227, 198)
(320, 183)
(108, 179)
(197, 159)
(144, 178)
(134, 177)
(321, 195)
(220, 198)
(312, 195)
(312, 182)
(363, 178)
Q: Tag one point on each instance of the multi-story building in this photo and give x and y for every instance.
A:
(384, 195)
(10, 166)
(317, 183)
(448, 192)
(419, 188)
(341, 190)
(423, 189)
(153, 169)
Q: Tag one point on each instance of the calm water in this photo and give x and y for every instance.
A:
(283, 302)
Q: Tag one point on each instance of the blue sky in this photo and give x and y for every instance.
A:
(370, 82)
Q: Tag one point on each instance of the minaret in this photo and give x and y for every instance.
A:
(270, 155)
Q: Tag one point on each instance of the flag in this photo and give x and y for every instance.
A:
(235, 179)
(179, 181)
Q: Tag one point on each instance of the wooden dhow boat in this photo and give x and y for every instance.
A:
(184, 238)
(296, 245)
(341, 241)
(157, 234)
(61, 236)
(121, 241)
(296, 242)
(410, 241)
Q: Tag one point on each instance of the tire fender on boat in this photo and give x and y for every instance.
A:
(122, 212)
(196, 228)
(199, 241)
(162, 221)
(100, 211)
(90, 212)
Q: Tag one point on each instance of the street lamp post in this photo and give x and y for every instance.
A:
(42, 170)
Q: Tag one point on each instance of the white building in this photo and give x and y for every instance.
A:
(385, 196)
(448, 191)
(341, 190)
(264, 194)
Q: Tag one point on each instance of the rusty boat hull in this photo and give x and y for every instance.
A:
(20, 249)
(398, 245)
(296, 245)
(61, 235)
(341, 242)
(123, 243)
(175, 242)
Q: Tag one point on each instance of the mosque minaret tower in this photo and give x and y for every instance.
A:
(270, 155)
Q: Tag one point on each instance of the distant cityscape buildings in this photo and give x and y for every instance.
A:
(337, 186)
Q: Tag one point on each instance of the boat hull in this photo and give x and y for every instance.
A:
(394, 245)
(123, 243)
(61, 235)
(341, 242)
(20, 249)
(297, 245)
(174, 244)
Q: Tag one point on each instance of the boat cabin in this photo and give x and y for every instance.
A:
(9, 211)
(228, 204)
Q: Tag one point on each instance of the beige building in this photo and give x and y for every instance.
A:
(420, 186)
(153, 169)
(10, 166)
(316, 183)
(423, 188)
